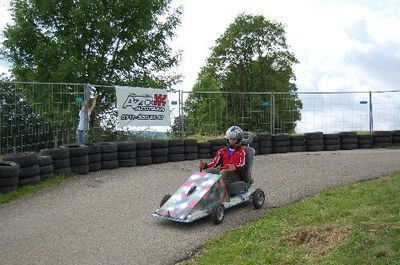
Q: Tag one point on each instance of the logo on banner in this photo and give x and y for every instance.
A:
(144, 102)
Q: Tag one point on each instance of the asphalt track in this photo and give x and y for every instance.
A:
(105, 217)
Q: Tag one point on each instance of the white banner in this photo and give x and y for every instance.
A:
(138, 106)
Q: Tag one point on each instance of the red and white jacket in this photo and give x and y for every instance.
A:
(237, 158)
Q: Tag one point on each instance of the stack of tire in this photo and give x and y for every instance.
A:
(264, 143)
(159, 152)
(331, 141)
(382, 138)
(60, 157)
(143, 153)
(191, 149)
(46, 167)
(396, 137)
(176, 150)
(348, 140)
(215, 145)
(255, 144)
(126, 154)
(94, 157)
(281, 143)
(9, 172)
(204, 150)
(29, 170)
(314, 141)
(365, 141)
(78, 157)
(109, 155)
(297, 143)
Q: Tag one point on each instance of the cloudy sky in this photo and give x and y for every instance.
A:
(341, 46)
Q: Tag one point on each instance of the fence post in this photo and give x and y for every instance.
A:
(182, 120)
(273, 113)
(371, 119)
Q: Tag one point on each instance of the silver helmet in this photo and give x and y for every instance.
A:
(234, 133)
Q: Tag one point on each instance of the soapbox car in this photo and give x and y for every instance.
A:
(206, 194)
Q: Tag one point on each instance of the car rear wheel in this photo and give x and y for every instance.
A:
(258, 198)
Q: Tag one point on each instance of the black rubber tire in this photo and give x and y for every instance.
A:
(62, 171)
(108, 147)
(29, 172)
(314, 135)
(29, 181)
(142, 161)
(159, 144)
(45, 161)
(126, 155)
(297, 148)
(382, 145)
(395, 133)
(204, 145)
(266, 143)
(191, 156)
(94, 148)
(56, 153)
(217, 142)
(255, 145)
(215, 148)
(366, 141)
(94, 158)
(81, 170)
(204, 151)
(299, 138)
(332, 147)
(281, 143)
(331, 141)
(159, 159)
(331, 136)
(258, 198)
(126, 146)
(159, 151)
(264, 137)
(348, 146)
(190, 142)
(176, 157)
(46, 170)
(265, 150)
(143, 153)
(146, 145)
(217, 213)
(297, 143)
(176, 150)
(24, 159)
(314, 142)
(110, 164)
(127, 162)
(9, 169)
(47, 176)
(109, 156)
(164, 199)
(9, 182)
(281, 149)
(280, 137)
(204, 156)
(191, 149)
(396, 139)
(382, 133)
(8, 189)
(382, 139)
(349, 140)
(76, 149)
(366, 137)
(365, 146)
(314, 148)
(94, 166)
(175, 142)
(346, 134)
(79, 160)
(62, 163)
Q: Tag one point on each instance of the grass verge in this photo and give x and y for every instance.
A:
(28, 189)
(356, 224)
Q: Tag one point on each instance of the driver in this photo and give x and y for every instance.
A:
(229, 161)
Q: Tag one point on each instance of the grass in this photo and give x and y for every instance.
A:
(29, 189)
(356, 224)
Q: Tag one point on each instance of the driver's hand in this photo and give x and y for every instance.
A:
(231, 167)
(202, 164)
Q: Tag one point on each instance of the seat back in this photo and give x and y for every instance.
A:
(250, 152)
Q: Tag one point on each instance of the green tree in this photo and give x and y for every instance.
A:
(251, 56)
(97, 41)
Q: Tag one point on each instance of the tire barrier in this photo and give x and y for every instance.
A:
(297, 143)
(191, 149)
(215, 145)
(264, 143)
(46, 167)
(281, 143)
(143, 153)
(126, 154)
(60, 157)
(109, 155)
(331, 142)
(348, 140)
(255, 144)
(94, 157)
(78, 158)
(365, 141)
(396, 137)
(159, 152)
(204, 150)
(314, 141)
(29, 170)
(9, 172)
(382, 138)
(176, 150)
